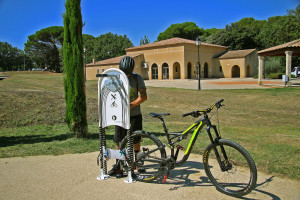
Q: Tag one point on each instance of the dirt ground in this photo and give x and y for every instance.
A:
(74, 177)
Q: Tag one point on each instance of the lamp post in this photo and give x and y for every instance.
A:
(198, 43)
(84, 50)
(24, 60)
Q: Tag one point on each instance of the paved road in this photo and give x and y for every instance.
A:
(74, 177)
(222, 83)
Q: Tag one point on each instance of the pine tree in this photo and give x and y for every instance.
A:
(74, 72)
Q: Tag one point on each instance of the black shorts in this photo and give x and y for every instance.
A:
(136, 123)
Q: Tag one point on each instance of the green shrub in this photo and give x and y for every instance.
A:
(273, 65)
(275, 75)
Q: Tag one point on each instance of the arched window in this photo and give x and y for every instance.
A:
(154, 70)
(205, 70)
(189, 70)
(165, 71)
(176, 70)
(220, 69)
(235, 71)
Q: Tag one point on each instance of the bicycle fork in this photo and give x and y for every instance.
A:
(224, 165)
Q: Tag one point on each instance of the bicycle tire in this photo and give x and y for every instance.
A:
(240, 176)
(152, 163)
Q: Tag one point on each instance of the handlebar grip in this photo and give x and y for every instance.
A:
(101, 75)
(218, 104)
(187, 114)
(220, 101)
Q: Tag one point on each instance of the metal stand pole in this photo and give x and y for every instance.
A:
(130, 152)
(103, 170)
(199, 70)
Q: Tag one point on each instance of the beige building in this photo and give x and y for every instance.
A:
(239, 63)
(177, 58)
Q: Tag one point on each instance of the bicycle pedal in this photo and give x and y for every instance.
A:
(165, 178)
(179, 147)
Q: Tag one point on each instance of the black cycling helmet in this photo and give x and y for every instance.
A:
(127, 65)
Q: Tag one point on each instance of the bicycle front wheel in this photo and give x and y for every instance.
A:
(149, 161)
(234, 173)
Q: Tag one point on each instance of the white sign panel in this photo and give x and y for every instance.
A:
(113, 99)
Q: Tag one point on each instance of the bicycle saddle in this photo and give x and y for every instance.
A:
(158, 115)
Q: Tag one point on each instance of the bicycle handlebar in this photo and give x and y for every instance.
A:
(197, 113)
(187, 114)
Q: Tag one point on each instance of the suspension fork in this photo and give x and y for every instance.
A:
(215, 142)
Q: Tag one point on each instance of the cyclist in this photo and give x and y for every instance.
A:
(138, 94)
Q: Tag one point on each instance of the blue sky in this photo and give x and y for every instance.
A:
(134, 18)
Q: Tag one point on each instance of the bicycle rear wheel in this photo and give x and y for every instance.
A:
(149, 161)
(235, 175)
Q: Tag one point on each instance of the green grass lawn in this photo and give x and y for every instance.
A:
(265, 121)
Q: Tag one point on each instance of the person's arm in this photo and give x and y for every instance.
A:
(142, 97)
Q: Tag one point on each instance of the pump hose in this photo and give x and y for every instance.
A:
(102, 144)
(130, 147)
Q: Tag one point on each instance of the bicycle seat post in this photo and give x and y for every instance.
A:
(163, 124)
(160, 117)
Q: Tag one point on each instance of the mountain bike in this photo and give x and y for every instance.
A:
(229, 167)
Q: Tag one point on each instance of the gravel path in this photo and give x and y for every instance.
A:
(73, 177)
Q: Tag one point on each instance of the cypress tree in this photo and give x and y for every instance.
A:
(74, 84)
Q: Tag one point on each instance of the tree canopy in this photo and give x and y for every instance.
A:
(105, 46)
(260, 34)
(88, 43)
(111, 45)
(187, 30)
(12, 58)
(44, 46)
(144, 40)
(239, 35)
(279, 30)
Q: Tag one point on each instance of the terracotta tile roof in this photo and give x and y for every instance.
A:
(236, 53)
(172, 41)
(115, 60)
(292, 44)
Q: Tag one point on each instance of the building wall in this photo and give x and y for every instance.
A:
(179, 57)
(139, 67)
(218, 71)
(250, 61)
(228, 64)
(171, 55)
(91, 71)
(206, 57)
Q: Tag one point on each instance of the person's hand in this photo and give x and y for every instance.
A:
(131, 105)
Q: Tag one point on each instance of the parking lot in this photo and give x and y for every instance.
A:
(221, 83)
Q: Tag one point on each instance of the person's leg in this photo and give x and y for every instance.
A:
(138, 125)
(116, 170)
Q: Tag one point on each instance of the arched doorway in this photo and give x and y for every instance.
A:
(165, 71)
(235, 71)
(205, 70)
(154, 70)
(176, 70)
(189, 70)
(248, 71)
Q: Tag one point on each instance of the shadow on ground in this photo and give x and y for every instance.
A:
(189, 175)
